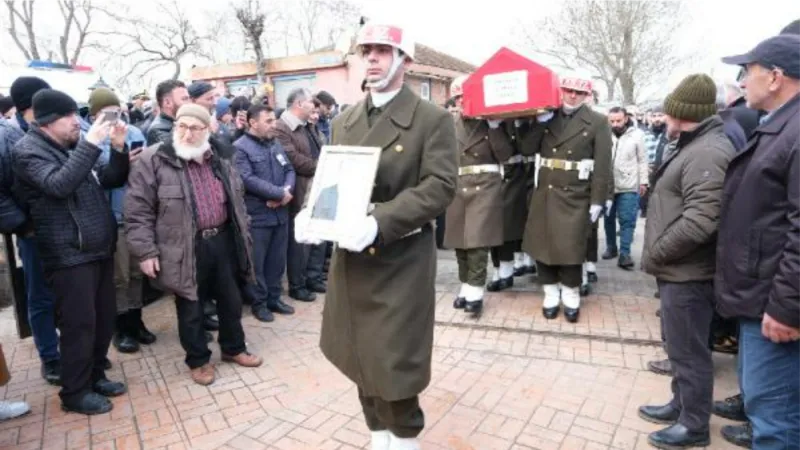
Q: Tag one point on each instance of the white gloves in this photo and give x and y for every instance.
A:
(364, 234)
(544, 117)
(301, 222)
(493, 123)
(609, 204)
(594, 212)
(518, 122)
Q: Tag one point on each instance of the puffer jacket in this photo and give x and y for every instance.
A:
(629, 158)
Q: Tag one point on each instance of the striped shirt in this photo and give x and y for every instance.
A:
(209, 195)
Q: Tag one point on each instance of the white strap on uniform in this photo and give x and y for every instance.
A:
(481, 168)
(516, 159)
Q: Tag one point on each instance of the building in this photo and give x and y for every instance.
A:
(339, 73)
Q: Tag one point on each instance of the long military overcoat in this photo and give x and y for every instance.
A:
(475, 218)
(377, 323)
(558, 225)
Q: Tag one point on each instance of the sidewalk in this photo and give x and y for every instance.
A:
(510, 381)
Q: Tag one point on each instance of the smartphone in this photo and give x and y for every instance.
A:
(111, 116)
(137, 144)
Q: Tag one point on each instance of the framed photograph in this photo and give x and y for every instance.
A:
(341, 190)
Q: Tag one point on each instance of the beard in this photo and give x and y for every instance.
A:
(188, 152)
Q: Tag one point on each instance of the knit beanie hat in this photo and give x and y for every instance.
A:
(694, 100)
(199, 88)
(50, 105)
(223, 106)
(23, 89)
(196, 111)
(100, 98)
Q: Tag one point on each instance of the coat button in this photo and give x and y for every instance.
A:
(550, 186)
(569, 152)
(372, 250)
(464, 189)
(474, 155)
(555, 150)
(546, 131)
(477, 188)
(585, 133)
(485, 137)
(398, 148)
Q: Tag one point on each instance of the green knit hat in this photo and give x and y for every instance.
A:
(694, 100)
(100, 98)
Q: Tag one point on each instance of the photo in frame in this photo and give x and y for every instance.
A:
(341, 190)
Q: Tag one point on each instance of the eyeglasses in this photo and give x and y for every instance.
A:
(182, 127)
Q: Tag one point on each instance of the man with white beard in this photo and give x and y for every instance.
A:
(186, 221)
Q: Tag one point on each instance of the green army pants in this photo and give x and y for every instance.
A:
(472, 265)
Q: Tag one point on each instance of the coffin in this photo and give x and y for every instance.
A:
(510, 85)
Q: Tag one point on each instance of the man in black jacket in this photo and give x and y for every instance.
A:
(75, 234)
(170, 95)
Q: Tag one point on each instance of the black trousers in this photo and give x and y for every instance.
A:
(216, 278)
(86, 301)
(686, 313)
(404, 418)
(505, 252)
(569, 276)
(592, 245)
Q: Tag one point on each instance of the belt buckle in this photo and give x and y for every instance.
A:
(209, 233)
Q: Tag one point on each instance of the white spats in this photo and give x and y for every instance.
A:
(506, 269)
(590, 266)
(496, 274)
(473, 293)
(585, 275)
(571, 297)
(527, 260)
(380, 440)
(519, 260)
(552, 295)
(464, 287)
(404, 443)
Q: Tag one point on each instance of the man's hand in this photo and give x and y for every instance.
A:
(99, 131)
(494, 123)
(119, 131)
(287, 196)
(301, 222)
(609, 204)
(364, 234)
(134, 154)
(150, 267)
(778, 332)
(642, 190)
(274, 204)
(241, 120)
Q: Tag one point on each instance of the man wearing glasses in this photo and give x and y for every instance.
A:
(186, 221)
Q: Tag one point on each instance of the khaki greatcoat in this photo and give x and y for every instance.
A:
(377, 323)
(558, 225)
(475, 218)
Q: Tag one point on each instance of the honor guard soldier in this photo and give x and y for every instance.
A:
(475, 218)
(575, 165)
(377, 323)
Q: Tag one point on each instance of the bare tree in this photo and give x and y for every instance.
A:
(319, 23)
(161, 40)
(252, 19)
(622, 42)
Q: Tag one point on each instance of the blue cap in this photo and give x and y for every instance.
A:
(223, 106)
(782, 51)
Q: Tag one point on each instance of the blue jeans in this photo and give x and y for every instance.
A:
(770, 386)
(625, 207)
(41, 301)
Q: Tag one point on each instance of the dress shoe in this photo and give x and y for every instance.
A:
(144, 336)
(475, 307)
(108, 388)
(625, 262)
(303, 295)
(90, 404)
(739, 435)
(459, 303)
(263, 314)
(244, 359)
(664, 414)
(211, 322)
(663, 367)
(203, 375)
(12, 410)
(124, 343)
(500, 285)
(571, 314)
(610, 254)
(731, 408)
(51, 372)
(586, 289)
(318, 287)
(279, 307)
(678, 436)
(550, 313)
(209, 337)
(592, 277)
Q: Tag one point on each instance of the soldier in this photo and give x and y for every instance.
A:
(575, 165)
(508, 259)
(475, 218)
(377, 323)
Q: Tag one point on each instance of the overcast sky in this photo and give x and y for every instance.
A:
(475, 32)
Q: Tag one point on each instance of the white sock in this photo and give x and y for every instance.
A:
(584, 275)
(552, 295)
(473, 293)
(571, 297)
(463, 289)
(519, 260)
(590, 267)
(380, 440)
(506, 269)
(527, 260)
(404, 443)
(496, 274)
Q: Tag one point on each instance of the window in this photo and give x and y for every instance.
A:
(425, 89)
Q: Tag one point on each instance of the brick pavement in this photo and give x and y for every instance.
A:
(510, 381)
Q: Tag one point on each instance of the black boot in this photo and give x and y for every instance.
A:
(302, 295)
(51, 372)
(550, 313)
(475, 308)
(138, 330)
(663, 414)
(89, 404)
(459, 303)
(500, 285)
(586, 289)
(263, 314)
(279, 307)
(591, 276)
(731, 408)
(678, 436)
(123, 341)
(739, 435)
(572, 314)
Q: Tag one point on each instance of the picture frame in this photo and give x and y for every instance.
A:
(341, 190)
